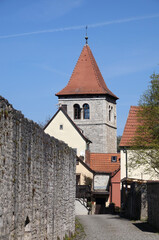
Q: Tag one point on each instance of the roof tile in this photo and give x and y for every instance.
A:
(101, 162)
(86, 77)
(130, 127)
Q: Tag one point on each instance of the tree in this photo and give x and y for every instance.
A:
(88, 181)
(146, 140)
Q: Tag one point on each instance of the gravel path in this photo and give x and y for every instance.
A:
(112, 227)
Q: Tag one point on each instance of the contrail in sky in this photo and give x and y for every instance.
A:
(81, 26)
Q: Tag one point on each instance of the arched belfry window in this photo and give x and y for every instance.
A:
(77, 111)
(86, 111)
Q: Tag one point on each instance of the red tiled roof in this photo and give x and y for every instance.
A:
(130, 127)
(101, 162)
(86, 77)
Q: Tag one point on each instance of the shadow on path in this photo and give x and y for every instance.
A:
(145, 227)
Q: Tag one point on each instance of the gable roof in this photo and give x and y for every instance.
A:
(86, 77)
(85, 165)
(70, 120)
(130, 127)
(101, 162)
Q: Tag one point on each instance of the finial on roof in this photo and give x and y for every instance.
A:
(86, 37)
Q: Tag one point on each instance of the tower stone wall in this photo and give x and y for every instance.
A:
(100, 128)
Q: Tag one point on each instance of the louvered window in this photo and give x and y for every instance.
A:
(77, 112)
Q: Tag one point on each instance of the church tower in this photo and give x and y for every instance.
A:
(90, 104)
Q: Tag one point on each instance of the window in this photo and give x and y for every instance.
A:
(114, 159)
(110, 113)
(78, 179)
(85, 111)
(77, 111)
(61, 127)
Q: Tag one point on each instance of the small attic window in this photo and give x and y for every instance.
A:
(114, 158)
(61, 127)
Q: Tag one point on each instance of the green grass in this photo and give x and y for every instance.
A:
(79, 232)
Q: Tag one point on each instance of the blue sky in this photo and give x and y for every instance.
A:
(41, 40)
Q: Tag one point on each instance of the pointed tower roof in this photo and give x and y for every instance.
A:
(86, 77)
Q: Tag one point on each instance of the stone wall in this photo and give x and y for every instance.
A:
(37, 180)
(153, 203)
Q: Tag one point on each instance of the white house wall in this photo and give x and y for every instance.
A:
(137, 173)
(68, 134)
(101, 182)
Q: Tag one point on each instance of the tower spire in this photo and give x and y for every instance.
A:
(86, 37)
(86, 78)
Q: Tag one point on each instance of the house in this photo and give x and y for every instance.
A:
(127, 171)
(84, 181)
(106, 164)
(63, 128)
(83, 171)
(134, 178)
(104, 170)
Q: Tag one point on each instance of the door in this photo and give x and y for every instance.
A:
(100, 206)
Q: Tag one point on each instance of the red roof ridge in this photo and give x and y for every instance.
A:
(94, 64)
(98, 73)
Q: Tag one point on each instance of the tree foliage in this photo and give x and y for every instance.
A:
(146, 140)
(88, 181)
